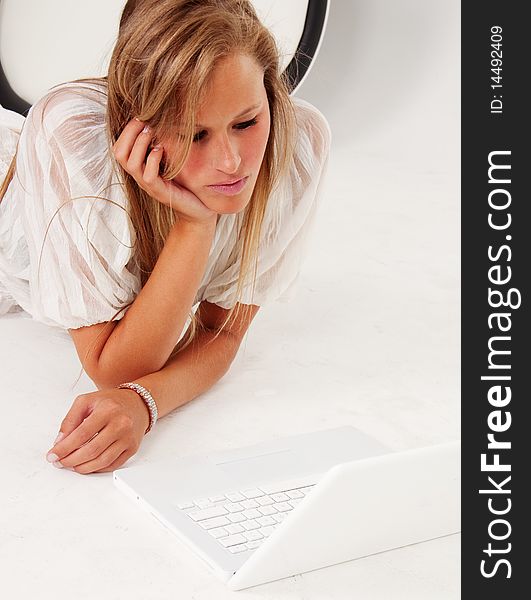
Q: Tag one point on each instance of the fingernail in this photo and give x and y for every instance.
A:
(59, 437)
(57, 465)
(51, 457)
(146, 129)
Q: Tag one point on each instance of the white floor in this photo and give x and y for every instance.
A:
(371, 339)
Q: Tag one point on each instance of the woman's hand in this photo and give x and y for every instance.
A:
(102, 430)
(130, 151)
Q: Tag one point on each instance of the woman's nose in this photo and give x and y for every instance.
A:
(226, 156)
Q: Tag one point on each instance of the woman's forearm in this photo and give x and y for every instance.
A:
(192, 371)
(144, 338)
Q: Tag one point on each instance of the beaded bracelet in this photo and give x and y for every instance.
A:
(148, 401)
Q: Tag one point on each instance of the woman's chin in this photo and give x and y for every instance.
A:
(228, 206)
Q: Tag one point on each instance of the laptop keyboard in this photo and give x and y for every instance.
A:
(242, 520)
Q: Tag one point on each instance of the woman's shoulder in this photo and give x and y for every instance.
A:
(66, 131)
(313, 126)
(80, 102)
(312, 145)
(69, 124)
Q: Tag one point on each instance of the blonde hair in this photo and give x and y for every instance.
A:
(159, 71)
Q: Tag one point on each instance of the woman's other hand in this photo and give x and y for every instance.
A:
(102, 430)
(133, 153)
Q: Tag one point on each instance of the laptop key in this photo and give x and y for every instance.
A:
(238, 548)
(249, 504)
(253, 493)
(218, 532)
(295, 501)
(215, 522)
(217, 498)
(185, 505)
(207, 513)
(264, 500)
(267, 510)
(252, 513)
(266, 521)
(234, 497)
(251, 524)
(295, 494)
(236, 517)
(203, 503)
(234, 528)
(254, 544)
(252, 535)
(232, 540)
(282, 506)
(280, 497)
(233, 507)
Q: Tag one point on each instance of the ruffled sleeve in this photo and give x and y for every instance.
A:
(75, 225)
(288, 221)
(11, 124)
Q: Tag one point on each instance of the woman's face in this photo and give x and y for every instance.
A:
(230, 142)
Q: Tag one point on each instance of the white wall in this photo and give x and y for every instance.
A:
(385, 258)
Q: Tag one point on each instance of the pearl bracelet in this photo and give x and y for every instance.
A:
(148, 401)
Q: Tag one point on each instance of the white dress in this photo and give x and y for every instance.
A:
(85, 273)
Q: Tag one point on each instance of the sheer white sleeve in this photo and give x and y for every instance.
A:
(288, 222)
(72, 212)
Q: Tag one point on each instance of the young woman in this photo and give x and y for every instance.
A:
(187, 176)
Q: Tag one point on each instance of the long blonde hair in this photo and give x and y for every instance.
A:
(160, 68)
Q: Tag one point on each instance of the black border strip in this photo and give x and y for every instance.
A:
(495, 262)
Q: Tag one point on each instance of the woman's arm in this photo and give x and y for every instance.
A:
(201, 364)
(119, 416)
(141, 342)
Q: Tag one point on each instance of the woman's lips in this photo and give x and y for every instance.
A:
(230, 190)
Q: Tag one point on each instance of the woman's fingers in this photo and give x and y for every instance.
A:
(79, 411)
(110, 428)
(106, 464)
(132, 152)
(90, 450)
(151, 175)
(136, 161)
(126, 140)
(84, 433)
(97, 462)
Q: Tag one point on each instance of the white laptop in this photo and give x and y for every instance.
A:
(295, 504)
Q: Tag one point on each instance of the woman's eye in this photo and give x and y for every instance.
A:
(247, 124)
(199, 136)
